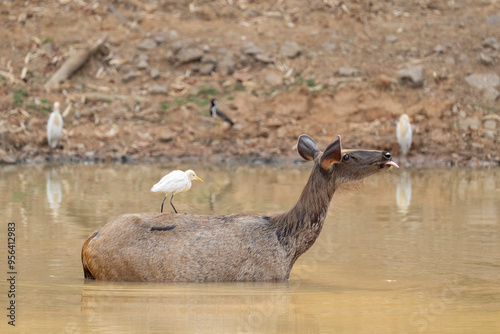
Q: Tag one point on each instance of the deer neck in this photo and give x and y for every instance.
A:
(298, 228)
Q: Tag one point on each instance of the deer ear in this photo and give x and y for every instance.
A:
(332, 154)
(307, 148)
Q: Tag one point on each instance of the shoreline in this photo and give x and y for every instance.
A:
(416, 161)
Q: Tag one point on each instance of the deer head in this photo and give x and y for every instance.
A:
(343, 165)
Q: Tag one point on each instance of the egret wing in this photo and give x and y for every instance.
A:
(54, 127)
(173, 182)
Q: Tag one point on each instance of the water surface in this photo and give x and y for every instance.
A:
(409, 251)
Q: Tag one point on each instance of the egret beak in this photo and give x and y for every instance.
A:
(198, 178)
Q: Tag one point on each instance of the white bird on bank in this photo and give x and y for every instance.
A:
(403, 134)
(175, 182)
(54, 127)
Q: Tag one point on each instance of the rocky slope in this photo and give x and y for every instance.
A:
(278, 68)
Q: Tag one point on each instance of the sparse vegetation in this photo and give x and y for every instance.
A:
(44, 106)
(207, 91)
(310, 83)
(239, 87)
(19, 96)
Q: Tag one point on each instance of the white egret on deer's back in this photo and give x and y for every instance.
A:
(175, 182)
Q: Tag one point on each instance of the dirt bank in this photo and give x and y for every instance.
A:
(278, 68)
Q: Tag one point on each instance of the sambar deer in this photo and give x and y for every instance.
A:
(239, 247)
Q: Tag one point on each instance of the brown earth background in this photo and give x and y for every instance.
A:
(278, 68)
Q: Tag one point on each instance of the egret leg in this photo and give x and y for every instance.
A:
(163, 202)
(172, 204)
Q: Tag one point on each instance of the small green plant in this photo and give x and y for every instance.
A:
(318, 89)
(179, 102)
(310, 83)
(203, 102)
(47, 40)
(239, 87)
(230, 98)
(19, 96)
(44, 107)
(254, 93)
(340, 83)
(207, 91)
(164, 106)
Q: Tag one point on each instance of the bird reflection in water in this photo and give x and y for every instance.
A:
(403, 192)
(221, 181)
(54, 190)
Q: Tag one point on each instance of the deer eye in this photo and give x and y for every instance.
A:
(346, 157)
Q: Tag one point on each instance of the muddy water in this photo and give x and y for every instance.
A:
(414, 251)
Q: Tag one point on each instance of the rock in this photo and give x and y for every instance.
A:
(485, 60)
(264, 57)
(483, 81)
(250, 49)
(439, 49)
(188, 54)
(491, 42)
(414, 75)
(208, 59)
(289, 49)
(206, 68)
(142, 61)
(225, 64)
(490, 124)
(274, 79)
(169, 55)
(166, 137)
(493, 19)
(129, 76)
(6, 158)
(450, 61)
(391, 38)
(147, 44)
(384, 81)
(490, 94)
(329, 47)
(167, 37)
(347, 72)
(154, 73)
(470, 123)
(182, 44)
(158, 89)
(143, 64)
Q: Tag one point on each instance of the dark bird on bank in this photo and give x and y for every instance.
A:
(216, 112)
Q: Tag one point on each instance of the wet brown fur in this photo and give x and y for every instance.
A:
(177, 247)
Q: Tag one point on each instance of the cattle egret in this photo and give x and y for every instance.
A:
(175, 182)
(216, 112)
(403, 134)
(54, 127)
